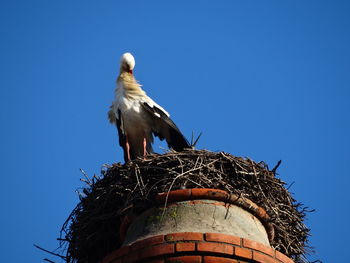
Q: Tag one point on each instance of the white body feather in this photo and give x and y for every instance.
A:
(131, 106)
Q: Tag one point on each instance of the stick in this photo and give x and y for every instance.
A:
(47, 251)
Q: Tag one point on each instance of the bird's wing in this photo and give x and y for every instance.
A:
(116, 118)
(162, 126)
(111, 115)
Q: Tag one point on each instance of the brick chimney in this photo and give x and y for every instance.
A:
(197, 226)
(190, 206)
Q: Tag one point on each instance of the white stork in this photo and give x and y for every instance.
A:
(138, 117)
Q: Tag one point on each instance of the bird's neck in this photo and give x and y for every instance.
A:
(129, 85)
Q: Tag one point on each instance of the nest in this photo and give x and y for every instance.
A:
(91, 231)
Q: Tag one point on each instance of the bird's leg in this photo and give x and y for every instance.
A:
(127, 146)
(144, 146)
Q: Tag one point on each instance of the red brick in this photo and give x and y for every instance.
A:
(185, 259)
(260, 212)
(283, 257)
(258, 246)
(148, 242)
(184, 236)
(174, 196)
(116, 254)
(209, 259)
(187, 246)
(223, 238)
(215, 248)
(243, 253)
(211, 194)
(262, 258)
(220, 203)
(157, 251)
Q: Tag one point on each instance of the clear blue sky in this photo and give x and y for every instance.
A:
(264, 79)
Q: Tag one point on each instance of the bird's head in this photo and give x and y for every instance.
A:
(127, 62)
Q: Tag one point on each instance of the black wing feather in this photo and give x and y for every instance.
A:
(122, 137)
(165, 128)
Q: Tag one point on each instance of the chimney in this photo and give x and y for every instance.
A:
(198, 226)
(182, 207)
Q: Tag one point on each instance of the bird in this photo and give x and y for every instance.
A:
(138, 117)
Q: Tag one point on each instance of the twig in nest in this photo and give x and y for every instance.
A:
(52, 253)
(48, 260)
(276, 166)
(194, 142)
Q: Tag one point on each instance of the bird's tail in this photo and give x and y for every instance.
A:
(178, 141)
